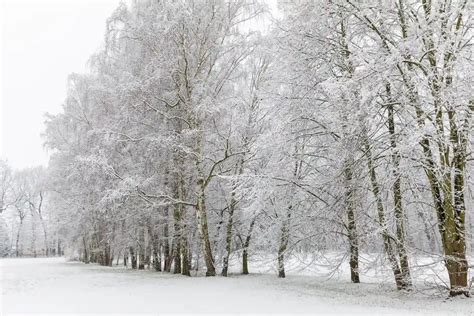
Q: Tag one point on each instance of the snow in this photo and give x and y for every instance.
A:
(53, 285)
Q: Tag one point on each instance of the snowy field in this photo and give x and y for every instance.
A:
(52, 285)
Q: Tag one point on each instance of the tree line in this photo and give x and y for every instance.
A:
(210, 130)
(26, 229)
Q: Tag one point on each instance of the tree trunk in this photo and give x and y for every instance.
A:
(148, 256)
(33, 237)
(387, 241)
(284, 238)
(177, 257)
(449, 206)
(245, 261)
(106, 257)
(59, 248)
(397, 196)
(182, 220)
(166, 243)
(245, 264)
(456, 261)
(204, 231)
(453, 232)
(351, 224)
(186, 265)
(156, 253)
(86, 252)
(133, 258)
(141, 249)
(45, 235)
(17, 244)
(185, 253)
(177, 238)
(230, 223)
(156, 260)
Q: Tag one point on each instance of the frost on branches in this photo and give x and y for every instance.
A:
(200, 139)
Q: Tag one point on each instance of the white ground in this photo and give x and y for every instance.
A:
(53, 285)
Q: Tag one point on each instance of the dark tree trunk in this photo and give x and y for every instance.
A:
(141, 249)
(281, 263)
(245, 265)
(185, 253)
(351, 224)
(156, 253)
(177, 258)
(245, 262)
(201, 216)
(177, 237)
(168, 259)
(148, 255)
(228, 239)
(107, 258)
(86, 252)
(133, 258)
(156, 260)
(397, 195)
(186, 265)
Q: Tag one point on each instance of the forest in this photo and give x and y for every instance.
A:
(210, 134)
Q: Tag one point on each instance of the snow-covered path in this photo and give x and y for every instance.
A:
(55, 286)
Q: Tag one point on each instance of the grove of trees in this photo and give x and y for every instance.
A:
(209, 132)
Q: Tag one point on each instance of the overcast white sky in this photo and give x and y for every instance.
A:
(42, 42)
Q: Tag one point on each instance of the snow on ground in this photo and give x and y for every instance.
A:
(53, 285)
